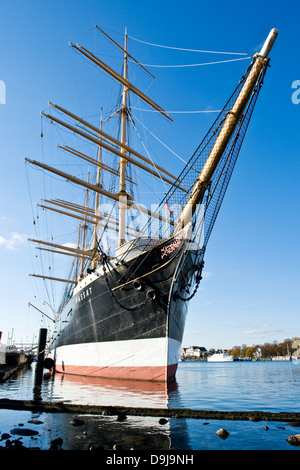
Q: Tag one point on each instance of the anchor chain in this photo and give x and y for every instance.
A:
(198, 279)
(130, 309)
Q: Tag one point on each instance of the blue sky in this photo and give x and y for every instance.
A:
(250, 291)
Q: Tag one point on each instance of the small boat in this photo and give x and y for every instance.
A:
(2, 351)
(220, 357)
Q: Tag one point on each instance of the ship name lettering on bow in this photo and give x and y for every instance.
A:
(166, 250)
(84, 294)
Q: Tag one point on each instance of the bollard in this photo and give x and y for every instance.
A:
(41, 348)
(40, 362)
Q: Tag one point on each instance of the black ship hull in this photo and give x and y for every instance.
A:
(127, 321)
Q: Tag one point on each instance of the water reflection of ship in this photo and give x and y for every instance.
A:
(137, 432)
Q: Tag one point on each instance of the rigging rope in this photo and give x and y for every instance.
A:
(160, 141)
(149, 156)
(197, 65)
(105, 266)
(187, 50)
(180, 112)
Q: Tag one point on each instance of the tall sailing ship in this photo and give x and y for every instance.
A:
(124, 308)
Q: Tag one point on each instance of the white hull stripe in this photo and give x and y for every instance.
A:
(148, 359)
(157, 352)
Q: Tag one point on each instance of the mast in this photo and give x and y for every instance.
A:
(77, 257)
(97, 200)
(227, 129)
(123, 161)
(84, 227)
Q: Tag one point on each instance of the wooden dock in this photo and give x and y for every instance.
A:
(15, 361)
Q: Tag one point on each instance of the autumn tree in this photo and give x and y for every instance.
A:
(235, 351)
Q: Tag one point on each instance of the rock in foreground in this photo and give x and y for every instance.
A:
(222, 434)
(294, 440)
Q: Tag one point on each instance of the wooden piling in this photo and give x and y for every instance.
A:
(41, 348)
(40, 362)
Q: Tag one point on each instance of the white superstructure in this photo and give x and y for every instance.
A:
(220, 357)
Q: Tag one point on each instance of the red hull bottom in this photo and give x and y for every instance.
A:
(157, 374)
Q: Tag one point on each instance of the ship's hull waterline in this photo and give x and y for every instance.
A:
(128, 322)
(152, 359)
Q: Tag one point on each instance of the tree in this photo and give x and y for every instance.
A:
(235, 351)
(249, 351)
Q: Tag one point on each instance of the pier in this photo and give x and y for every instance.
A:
(61, 407)
(15, 358)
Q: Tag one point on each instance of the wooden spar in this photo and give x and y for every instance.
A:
(88, 159)
(63, 253)
(120, 79)
(87, 253)
(129, 55)
(75, 208)
(143, 167)
(43, 313)
(111, 225)
(107, 137)
(112, 149)
(93, 161)
(66, 213)
(123, 81)
(80, 209)
(95, 188)
(53, 278)
(227, 129)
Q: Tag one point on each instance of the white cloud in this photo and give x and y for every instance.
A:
(13, 241)
(262, 331)
(70, 245)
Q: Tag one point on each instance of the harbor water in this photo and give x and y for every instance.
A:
(238, 386)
